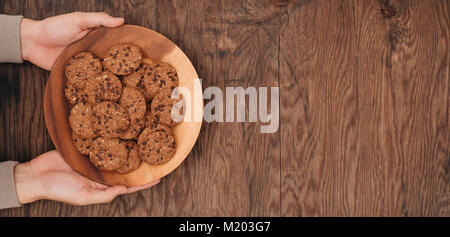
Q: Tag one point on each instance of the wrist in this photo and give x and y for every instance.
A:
(27, 34)
(27, 185)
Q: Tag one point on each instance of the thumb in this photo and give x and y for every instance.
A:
(141, 187)
(88, 20)
(106, 195)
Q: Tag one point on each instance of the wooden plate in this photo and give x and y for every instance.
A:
(154, 46)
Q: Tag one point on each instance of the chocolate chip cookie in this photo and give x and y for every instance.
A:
(133, 162)
(108, 86)
(158, 77)
(156, 147)
(122, 59)
(154, 126)
(135, 128)
(109, 119)
(135, 79)
(73, 94)
(80, 120)
(108, 153)
(161, 107)
(91, 93)
(82, 144)
(133, 101)
(81, 67)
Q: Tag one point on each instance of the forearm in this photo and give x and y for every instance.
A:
(10, 47)
(19, 184)
(26, 183)
(17, 38)
(28, 28)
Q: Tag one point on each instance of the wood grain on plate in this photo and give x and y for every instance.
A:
(154, 46)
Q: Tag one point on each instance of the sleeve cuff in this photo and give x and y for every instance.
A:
(8, 195)
(10, 50)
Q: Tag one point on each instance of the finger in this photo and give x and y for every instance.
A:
(98, 185)
(106, 195)
(87, 20)
(141, 187)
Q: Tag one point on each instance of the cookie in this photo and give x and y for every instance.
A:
(135, 128)
(108, 153)
(91, 94)
(122, 59)
(133, 161)
(109, 119)
(133, 101)
(81, 67)
(156, 147)
(80, 120)
(82, 144)
(161, 107)
(108, 86)
(72, 93)
(105, 86)
(158, 77)
(156, 127)
(151, 123)
(136, 79)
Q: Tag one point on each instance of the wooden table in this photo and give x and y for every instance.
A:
(364, 108)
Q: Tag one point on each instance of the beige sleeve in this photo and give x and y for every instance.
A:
(8, 195)
(10, 39)
(9, 52)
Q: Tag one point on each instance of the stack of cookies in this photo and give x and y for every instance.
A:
(121, 108)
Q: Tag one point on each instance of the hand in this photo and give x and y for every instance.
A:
(43, 41)
(49, 177)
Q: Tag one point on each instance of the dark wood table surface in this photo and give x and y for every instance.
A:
(364, 108)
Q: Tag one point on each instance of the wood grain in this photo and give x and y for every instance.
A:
(319, 142)
(364, 101)
(371, 137)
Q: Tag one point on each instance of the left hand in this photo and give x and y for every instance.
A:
(43, 41)
(48, 176)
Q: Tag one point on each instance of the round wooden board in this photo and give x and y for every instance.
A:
(154, 46)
